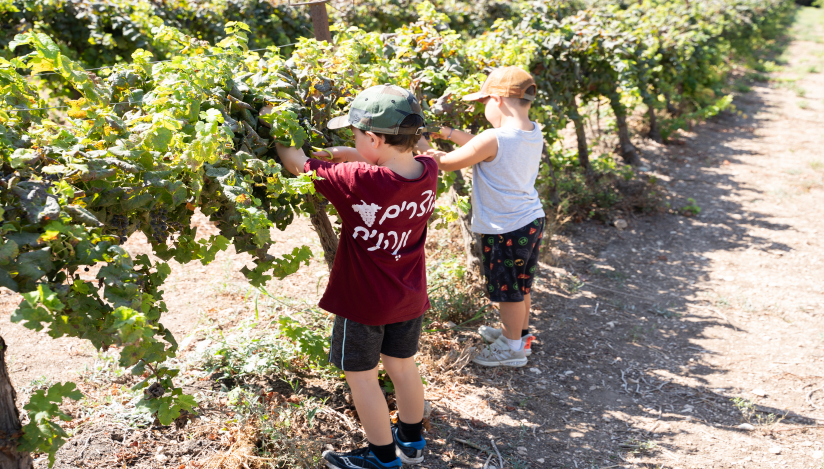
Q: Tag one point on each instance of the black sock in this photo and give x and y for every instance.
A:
(385, 453)
(524, 332)
(409, 432)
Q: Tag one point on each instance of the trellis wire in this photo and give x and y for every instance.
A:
(155, 61)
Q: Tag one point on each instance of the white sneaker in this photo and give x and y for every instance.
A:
(498, 353)
(491, 334)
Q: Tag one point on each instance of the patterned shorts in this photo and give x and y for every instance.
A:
(511, 261)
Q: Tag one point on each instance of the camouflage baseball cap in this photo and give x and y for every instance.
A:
(381, 109)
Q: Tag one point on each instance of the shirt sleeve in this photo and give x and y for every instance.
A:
(334, 181)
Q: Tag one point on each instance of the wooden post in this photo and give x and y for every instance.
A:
(320, 220)
(320, 19)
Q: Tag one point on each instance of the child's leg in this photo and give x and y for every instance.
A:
(528, 307)
(398, 351)
(513, 316)
(371, 405)
(408, 387)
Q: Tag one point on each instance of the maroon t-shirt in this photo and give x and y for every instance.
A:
(379, 273)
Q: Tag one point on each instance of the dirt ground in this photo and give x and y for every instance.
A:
(678, 342)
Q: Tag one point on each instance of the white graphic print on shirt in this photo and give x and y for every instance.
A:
(367, 212)
(391, 240)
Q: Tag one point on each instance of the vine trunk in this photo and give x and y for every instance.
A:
(10, 427)
(470, 243)
(580, 133)
(625, 147)
(654, 131)
(323, 227)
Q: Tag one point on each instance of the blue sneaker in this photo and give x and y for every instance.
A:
(410, 453)
(358, 458)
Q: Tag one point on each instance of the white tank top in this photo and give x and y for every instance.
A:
(504, 197)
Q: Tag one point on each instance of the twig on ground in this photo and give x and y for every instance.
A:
(500, 459)
(480, 448)
(472, 445)
(713, 310)
(625, 382)
(340, 416)
(86, 445)
(810, 394)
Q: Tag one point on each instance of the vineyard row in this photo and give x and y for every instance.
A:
(74, 188)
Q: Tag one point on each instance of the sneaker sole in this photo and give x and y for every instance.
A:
(517, 362)
(407, 460)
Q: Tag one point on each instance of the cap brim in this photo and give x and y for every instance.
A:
(338, 123)
(475, 96)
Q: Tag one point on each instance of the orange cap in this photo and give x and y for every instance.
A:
(506, 82)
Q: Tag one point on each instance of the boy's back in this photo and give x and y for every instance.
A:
(384, 196)
(504, 197)
(379, 273)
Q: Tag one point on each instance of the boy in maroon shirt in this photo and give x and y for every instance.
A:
(377, 288)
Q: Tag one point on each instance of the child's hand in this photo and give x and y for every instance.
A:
(441, 133)
(423, 145)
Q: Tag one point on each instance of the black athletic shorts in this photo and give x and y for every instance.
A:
(511, 261)
(357, 347)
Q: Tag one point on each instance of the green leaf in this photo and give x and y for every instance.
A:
(187, 402)
(158, 139)
(35, 264)
(135, 202)
(41, 433)
(167, 413)
(8, 251)
(6, 280)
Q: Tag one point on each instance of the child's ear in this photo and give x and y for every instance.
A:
(374, 139)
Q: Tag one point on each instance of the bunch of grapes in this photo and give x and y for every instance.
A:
(282, 216)
(158, 220)
(121, 224)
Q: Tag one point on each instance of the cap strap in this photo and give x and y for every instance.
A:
(412, 131)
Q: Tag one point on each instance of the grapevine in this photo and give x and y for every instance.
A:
(144, 143)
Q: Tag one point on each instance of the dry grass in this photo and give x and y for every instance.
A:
(241, 452)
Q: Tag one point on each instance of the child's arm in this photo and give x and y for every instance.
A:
(456, 136)
(483, 147)
(294, 159)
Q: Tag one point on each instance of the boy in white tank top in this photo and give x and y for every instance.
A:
(506, 210)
